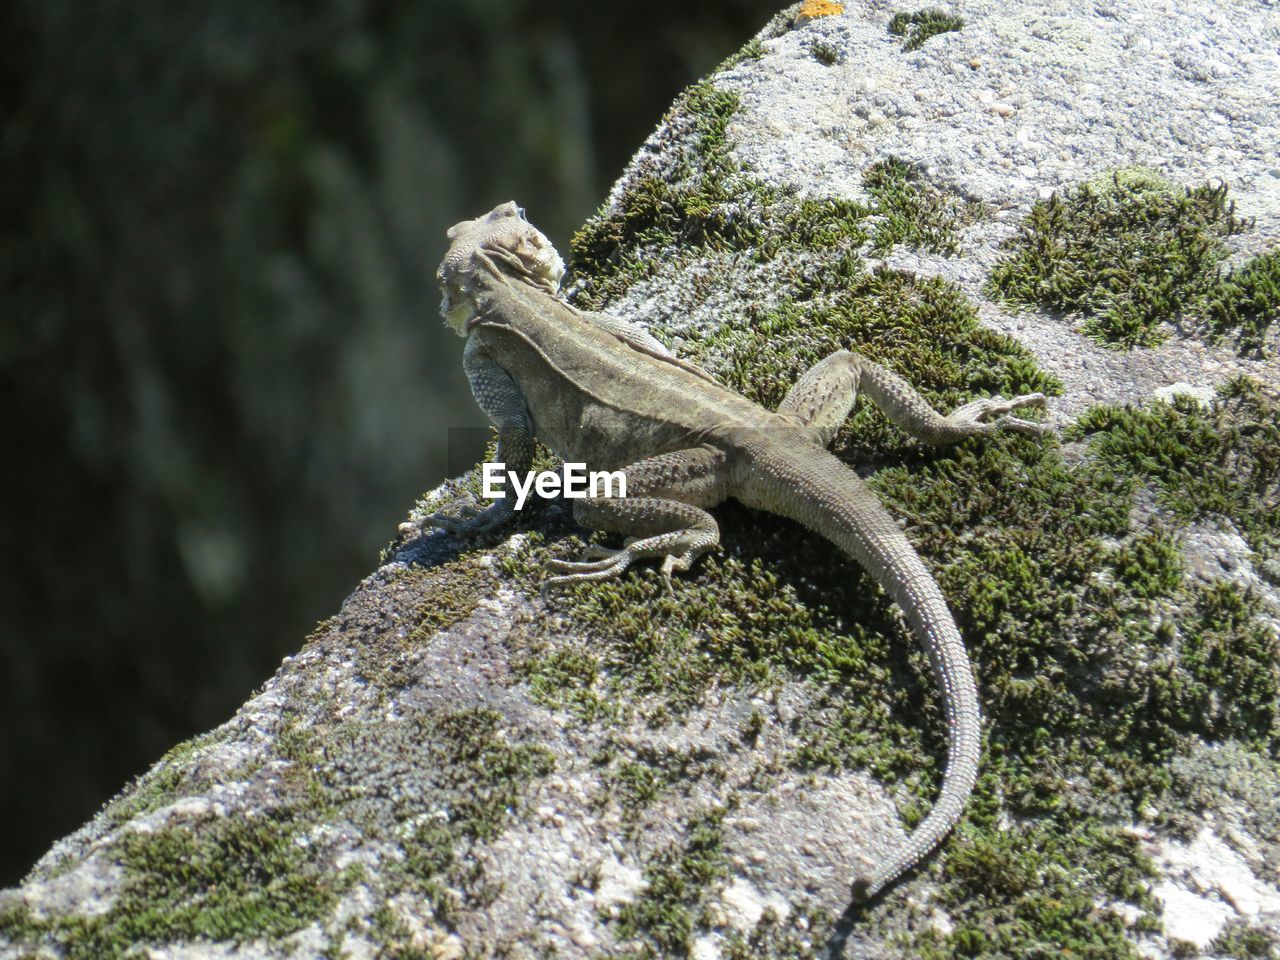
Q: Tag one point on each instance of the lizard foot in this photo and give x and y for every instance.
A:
(678, 551)
(468, 521)
(981, 413)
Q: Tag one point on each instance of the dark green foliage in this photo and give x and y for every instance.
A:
(773, 938)
(228, 879)
(835, 303)
(1224, 460)
(924, 328)
(636, 784)
(826, 53)
(267, 873)
(914, 211)
(752, 50)
(1150, 564)
(740, 626)
(1128, 254)
(1243, 942)
(1246, 301)
(1082, 680)
(488, 775)
(436, 784)
(566, 679)
(1032, 891)
(1232, 664)
(687, 207)
(664, 915)
(919, 26)
(1090, 687)
(460, 761)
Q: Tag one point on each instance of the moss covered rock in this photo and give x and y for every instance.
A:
(461, 765)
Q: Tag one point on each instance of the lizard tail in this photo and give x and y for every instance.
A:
(810, 485)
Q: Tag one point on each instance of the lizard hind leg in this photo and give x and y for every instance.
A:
(824, 397)
(661, 515)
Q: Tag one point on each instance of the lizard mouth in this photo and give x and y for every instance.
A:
(457, 312)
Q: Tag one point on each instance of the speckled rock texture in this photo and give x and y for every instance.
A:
(459, 764)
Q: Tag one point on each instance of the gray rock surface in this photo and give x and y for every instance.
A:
(451, 767)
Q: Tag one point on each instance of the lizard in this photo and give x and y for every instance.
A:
(603, 391)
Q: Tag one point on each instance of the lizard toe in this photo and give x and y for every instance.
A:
(1023, 426)
(574, 573)
(1029, 400)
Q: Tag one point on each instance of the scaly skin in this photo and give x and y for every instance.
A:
(603, 392)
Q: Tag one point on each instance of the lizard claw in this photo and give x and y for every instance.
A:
(993, 413)
(602, 563)
(1023, 426)
(598, 563)
(468, 521)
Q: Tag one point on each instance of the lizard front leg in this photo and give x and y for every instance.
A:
(504, 404)
(824, 396)
(661, 515)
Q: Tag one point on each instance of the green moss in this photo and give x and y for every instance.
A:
(924, 328)
(456, 589)
(826, 53)
(1129, 255)
(1097, 660)
(740, 623)
(1089, 689)
(706, 202)
(1219, 461)
(1150, 564)
(424, 602)
(1085, 680)
(1241, 786)
(488, 772)
(912, 210)
(919, 26)
(1033, 890)
(172, 777)
(753, 49)
(634, 782)
(665, 914)
(567, 679)
(228, 879)
(712, 204)
(437, 784)
(1090, 685)
(396, 939)
(773, 938)
(1246, 301)
(1232, 666)
(1243, 942)
(237, 878)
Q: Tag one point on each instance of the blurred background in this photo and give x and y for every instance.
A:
(223, 380)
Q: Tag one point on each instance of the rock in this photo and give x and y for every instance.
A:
(456, 764)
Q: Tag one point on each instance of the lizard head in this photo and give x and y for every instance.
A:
(501, 244)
